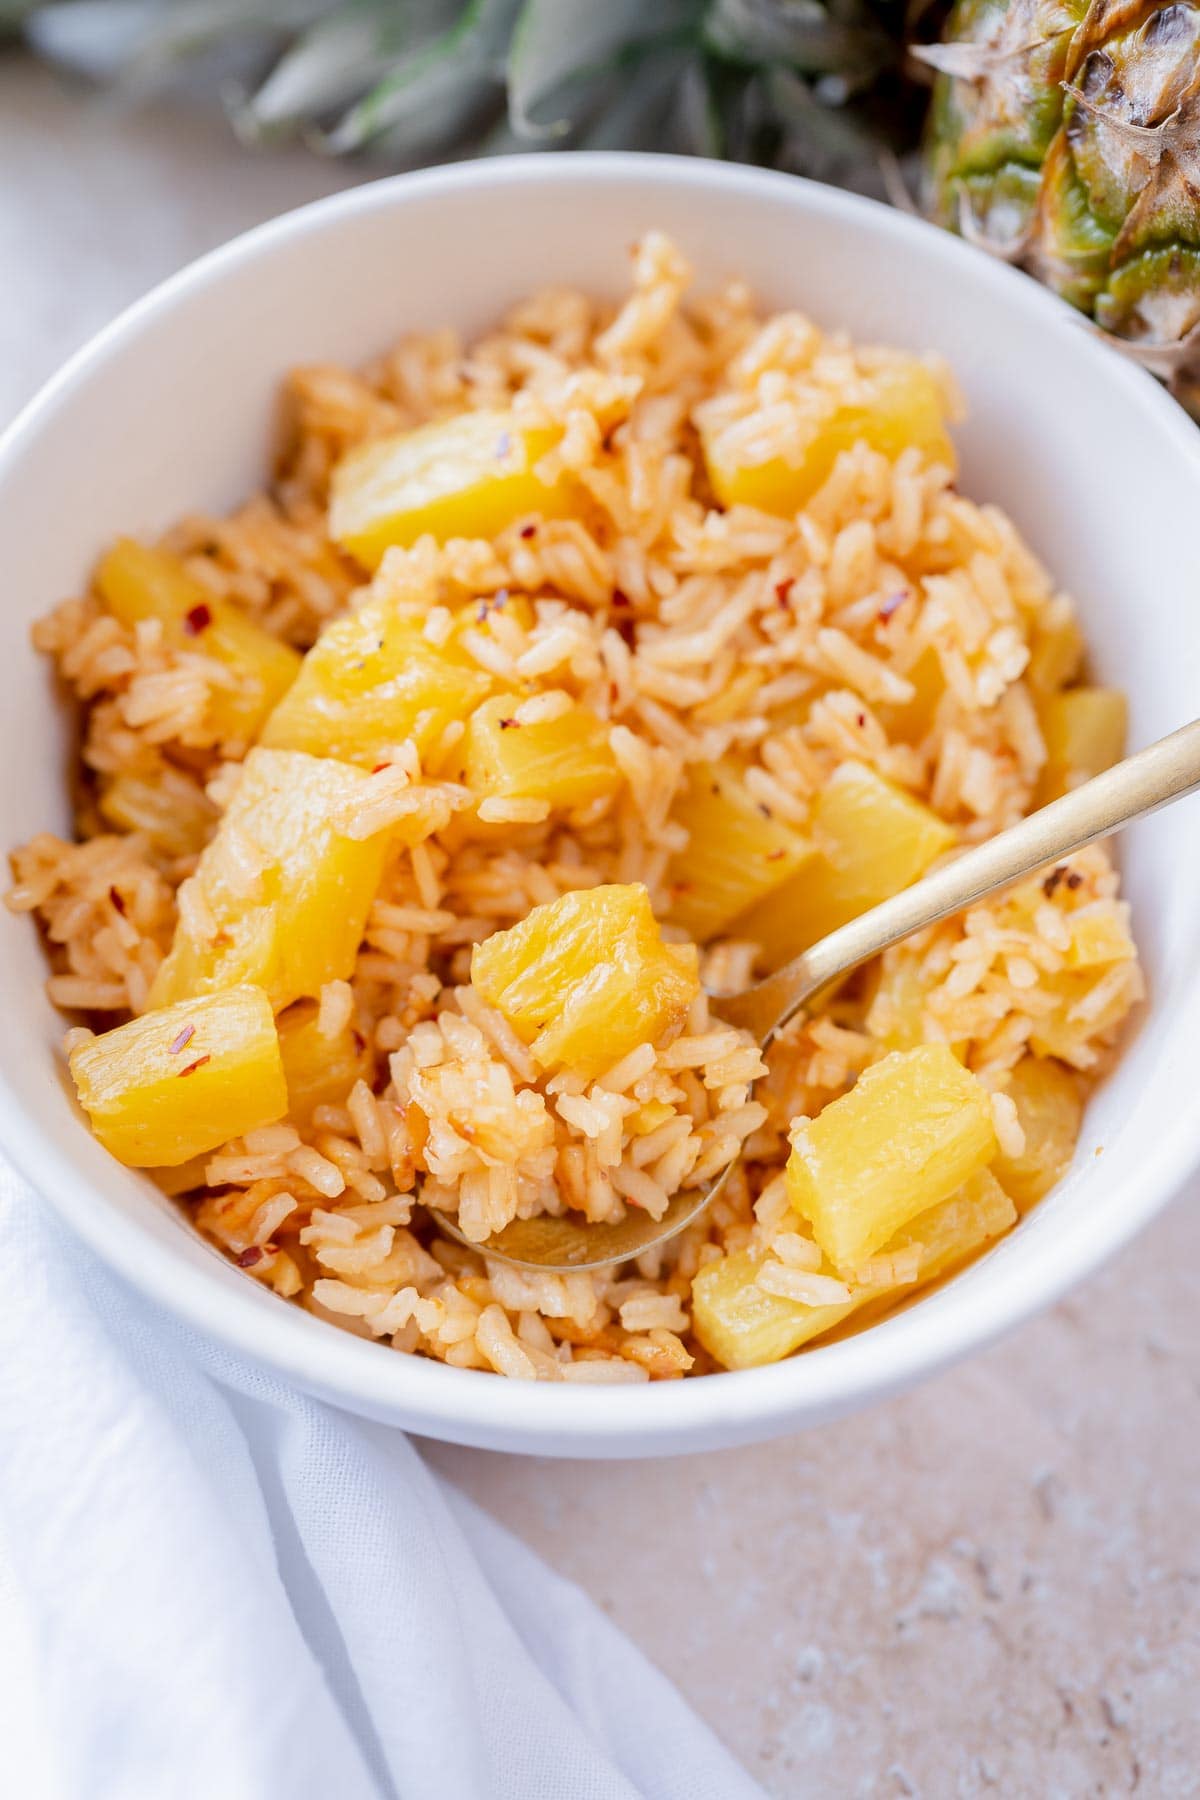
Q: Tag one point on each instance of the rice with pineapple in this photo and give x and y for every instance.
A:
(408, 792)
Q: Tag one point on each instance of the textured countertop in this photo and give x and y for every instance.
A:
(992, 1584)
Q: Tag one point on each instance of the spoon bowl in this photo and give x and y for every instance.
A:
(1131, 789)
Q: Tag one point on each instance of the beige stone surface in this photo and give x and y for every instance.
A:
(989, 1586)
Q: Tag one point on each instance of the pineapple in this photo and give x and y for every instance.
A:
(743, 1326)
(1099, 937)
(873, 840)
(281, 894)
(1050, 1111)
(1056, 649)
(173, 811)
(1058, 1033)
(465, 477)
(319, 1070)
(913, 1128)
(908, 721)
(563, 757)
(946, 1237)
(1063, 136)
(587, 978)
(370, 681)
(897, 406)
(131, 1080)
(137, 583)
(765, 81)
(896, 1016)
(735, 854)
(1084, 730)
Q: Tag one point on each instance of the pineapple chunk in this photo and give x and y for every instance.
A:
(896, 1015)
(649, 1117)
(184, 1178)
(566, 760)
(1084, 729)
(1050, 1112)
(744, 1327)
(466, 477)
(874, 840)
(370, 681)
(946, 1237)
(947, 1234)
(1099, 936)
(138, 583)
(286, 892)
(735, 854)
(320, 1070)
(898, 405)
(1056, 650)
(131, 1080)
(909, 721)
(1062, 1032)
(173, 811)
(912, 1129)
(587, 978)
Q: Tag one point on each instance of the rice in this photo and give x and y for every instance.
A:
(795, 644)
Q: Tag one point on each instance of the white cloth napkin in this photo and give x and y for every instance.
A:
(215, 1588)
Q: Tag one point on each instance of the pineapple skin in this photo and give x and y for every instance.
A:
(1035, 147)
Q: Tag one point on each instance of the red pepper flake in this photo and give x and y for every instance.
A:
(1074, 880)
(509, 724)
(185, 1037)
(197, 619)
(862, 719)
(892, 604)
(783, 589)
(1053, 878)
(198, 1064)
(118, 903)
(774, 855)
(528, 531)
(627, 632)
(249, 1257)
(621, 598)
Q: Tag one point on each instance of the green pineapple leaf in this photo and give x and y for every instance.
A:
(561, 48)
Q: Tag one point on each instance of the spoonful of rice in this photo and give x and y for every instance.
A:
(1141, 784)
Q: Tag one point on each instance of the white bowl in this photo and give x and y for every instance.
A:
(170, 410)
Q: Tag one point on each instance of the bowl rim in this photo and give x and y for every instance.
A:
(474, 1406)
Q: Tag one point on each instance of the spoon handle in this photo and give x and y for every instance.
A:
(1129, 790)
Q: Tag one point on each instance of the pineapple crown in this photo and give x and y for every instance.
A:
(809, 85)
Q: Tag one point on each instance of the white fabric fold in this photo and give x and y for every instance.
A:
(215, 1588)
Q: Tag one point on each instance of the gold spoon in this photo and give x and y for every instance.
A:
(1129, 790)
